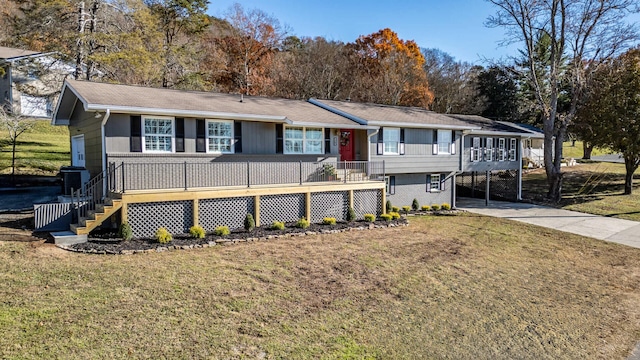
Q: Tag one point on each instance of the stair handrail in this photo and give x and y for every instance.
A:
(93, 192)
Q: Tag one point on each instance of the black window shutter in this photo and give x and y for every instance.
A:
(401, 150)
(135, 141)
(435, 142)
(179, 134)
(453, 142)
(237, 135)
(201, 136)
(392, 186)
(428, 183)
(327, 141)
(380, 142)
(279, 139)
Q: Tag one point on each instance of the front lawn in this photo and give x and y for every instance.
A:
(460, 287)
(594, 188)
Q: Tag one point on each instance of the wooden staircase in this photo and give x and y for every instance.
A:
(96, 217)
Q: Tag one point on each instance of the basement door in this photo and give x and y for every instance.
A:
(77, 151)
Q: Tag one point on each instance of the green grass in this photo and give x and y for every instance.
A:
(594, 188)
(466, 287)
(42, 150)
(577, 151)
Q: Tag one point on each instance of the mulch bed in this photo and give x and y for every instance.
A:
(109, 243)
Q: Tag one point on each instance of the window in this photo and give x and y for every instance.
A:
(444, 142)
(300, 140)
(435, 182)
(512, 149)
(475, 149)
(502, 154)
(488, 151)
(391, 138)
(157, 134)
(220, 137)
(390, 182)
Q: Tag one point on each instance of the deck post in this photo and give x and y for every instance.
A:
(384, 200)
(196, 211)
(256, 209)
(300, 172)
(124, 213)
(248, 175)
(307, 205)
(351, 198)
(123, 187)
(185, 176)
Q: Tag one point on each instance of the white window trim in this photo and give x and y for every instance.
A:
(513, 143)
(304, 140)
(436, 183)
(144, 135)
(475, 149)
(501, 149)
(384, 144)
(448, 148)
(233, 142)
(488, 150)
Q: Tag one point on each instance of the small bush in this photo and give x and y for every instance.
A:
(406, 209)
(445, 206)
(222, 230)
(415, 205)
(394, 209)
(426, 207)
(395, 215)
(197, 232)
(125, 231)
(277, 225)
(369, 217)
(329, 221)
(249, 222)
(386, 217)
(163, 235)
(388, 205)
(302, 223)
(435, 207)
(351, 214)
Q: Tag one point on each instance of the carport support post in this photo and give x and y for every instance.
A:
(486, 191)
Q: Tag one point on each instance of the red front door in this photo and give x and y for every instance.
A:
(347, 147)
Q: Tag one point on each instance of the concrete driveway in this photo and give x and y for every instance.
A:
(620, 231)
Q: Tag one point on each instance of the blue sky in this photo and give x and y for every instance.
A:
(454, 26)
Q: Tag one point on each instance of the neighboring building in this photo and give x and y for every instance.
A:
(31, 81)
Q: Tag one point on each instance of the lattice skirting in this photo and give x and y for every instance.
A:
(146, 218)
(286, 207)
(329, 204)
(367, 202)
(230, 212)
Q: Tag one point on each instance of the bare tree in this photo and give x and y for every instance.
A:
(587, 32)
(15, 125)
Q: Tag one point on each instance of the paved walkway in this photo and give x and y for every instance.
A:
(620, 231)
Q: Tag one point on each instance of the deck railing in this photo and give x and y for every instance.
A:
(154, 176)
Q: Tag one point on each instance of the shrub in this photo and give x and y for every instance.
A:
(406, 209)
(329, 221)
(426, 207)
(386, 217)
(163, 235)
(249, 222)
(302, 223)
(435, 207)
(125, 231)
(395, 215)
(277, 225)
(415, 205)
(394, 209)
(445, 206)
(388, 205)
(351, 214)
(222, 230)
(197, 232)
(369, 217)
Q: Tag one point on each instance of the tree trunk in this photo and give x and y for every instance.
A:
(631, 165)
(13, 162)
(586, 150)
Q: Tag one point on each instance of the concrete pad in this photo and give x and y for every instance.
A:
(68, 238)
(620, 231)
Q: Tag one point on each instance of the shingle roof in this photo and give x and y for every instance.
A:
(386, 115)
(10, 53)
(489, 125)
(136, 99)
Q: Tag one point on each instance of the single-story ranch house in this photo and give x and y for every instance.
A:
(163, 157)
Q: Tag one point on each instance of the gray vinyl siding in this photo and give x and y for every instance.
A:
(482, 165)
(418, 156)
(258, 138)
(414, 186)
(83, 123)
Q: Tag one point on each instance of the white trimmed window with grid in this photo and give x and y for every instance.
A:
(391, 139)
(303, 140)
(220, 136)
(158, 134)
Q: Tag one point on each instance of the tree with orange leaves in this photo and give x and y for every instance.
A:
(388, 70)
